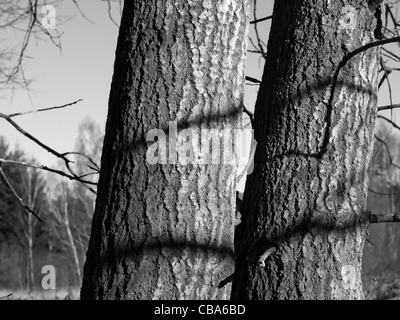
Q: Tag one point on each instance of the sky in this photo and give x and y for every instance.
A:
(83, 70)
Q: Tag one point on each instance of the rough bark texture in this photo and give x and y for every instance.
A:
(307, 194)
(164, 231)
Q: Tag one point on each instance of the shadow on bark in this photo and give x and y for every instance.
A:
(271, 113)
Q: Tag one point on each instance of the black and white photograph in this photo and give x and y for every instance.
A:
(199, 154)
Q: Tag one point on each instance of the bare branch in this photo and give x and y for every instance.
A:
(21, 201)
(389, 107)
(96, 167)
(387, 71)
(255, 51)
(252, 79)
(260, 42)
(342, 63)
(363, 48)
(392, 217)
(110, 15)
(224, 282)
(81, 12)
(388, 152)
(62, 156)
(260, 20)
(390, 121)
(11, 115)
(392, 54)
(29, 136)
(45, 168)
(383, 193)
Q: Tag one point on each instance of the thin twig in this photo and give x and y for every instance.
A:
(260, 42)
(110, 15)
(11, 115)
(224, 282)
(342, 63)
(260, 20)
(383, 193)
(390, 121)
(388, 151)
(387, 72)
(45, 168)
(251, 79)
(29, 136)
(62, 156)
(389, 107)
(22, 202)
(380, 218)
(85, 156)
(81, 12)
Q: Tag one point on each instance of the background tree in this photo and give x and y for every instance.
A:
(381, 255)
(89, 143)
(18, 224)
(33, 190)
(26, 17)
(72, 204)
(63, 211)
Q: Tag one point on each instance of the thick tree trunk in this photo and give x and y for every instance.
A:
(162, 228)
(307, 194)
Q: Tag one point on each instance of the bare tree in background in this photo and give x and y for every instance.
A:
(23, 16)
(34, 18)
(62, 209)
(33, 191)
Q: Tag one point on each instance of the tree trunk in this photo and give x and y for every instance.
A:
(31, 274)
(307, 194)
(163, 223)
(72, 242)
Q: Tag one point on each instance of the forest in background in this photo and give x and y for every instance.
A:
(65, 208)
(381, 259)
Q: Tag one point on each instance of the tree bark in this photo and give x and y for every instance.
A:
(307, 194)
(164, 230)
(71, 240)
